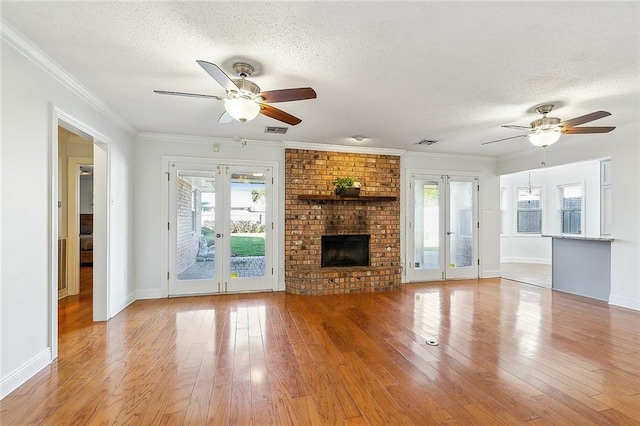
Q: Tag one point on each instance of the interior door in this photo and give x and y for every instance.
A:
(220, 229)
(442, 231)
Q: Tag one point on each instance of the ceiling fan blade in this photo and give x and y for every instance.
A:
(504, 139)
(278, 114)
(578, 130)
(218, 75)
(225, 118)
(513, 126)
(192, 95)
(585, 118)
(286, 95)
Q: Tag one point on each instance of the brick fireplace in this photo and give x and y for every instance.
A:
(312, 211)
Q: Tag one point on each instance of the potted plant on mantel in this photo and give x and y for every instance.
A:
(347, 187)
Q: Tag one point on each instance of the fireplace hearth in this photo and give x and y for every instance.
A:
(345, 250)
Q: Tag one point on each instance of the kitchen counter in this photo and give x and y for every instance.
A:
(581, 265)
(579, 237)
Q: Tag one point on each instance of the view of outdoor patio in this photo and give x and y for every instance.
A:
(196, 217)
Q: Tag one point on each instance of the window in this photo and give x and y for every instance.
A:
(529, 210)
(571, 212)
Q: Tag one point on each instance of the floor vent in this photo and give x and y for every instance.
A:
(274, 129)
(426, 142)
(62, 264)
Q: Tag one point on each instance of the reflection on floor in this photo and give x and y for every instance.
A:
(530, 273)
(241, 267)
(77, 311)
(508, 354)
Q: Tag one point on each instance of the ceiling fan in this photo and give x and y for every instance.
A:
(244, 100)
(546, 131)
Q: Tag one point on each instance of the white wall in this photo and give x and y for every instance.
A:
(622, 146)
(516, 247)
(489, 203)
(151, 236)
(29, 94)
(121, 237)
(150, 231)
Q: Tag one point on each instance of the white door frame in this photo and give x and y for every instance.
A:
(73, 221)
(166, 160)
(410, 225)
(461, 272)
(408, 218)
(101, 220)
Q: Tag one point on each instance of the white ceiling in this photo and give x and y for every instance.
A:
(397, 72)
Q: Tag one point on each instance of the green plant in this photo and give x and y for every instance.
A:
(246, 226)
(343, 183)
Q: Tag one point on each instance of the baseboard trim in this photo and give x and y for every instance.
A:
(25, 372)
(152, 293)
(624, 302)
(123, 303)
(491, 273)
(537, 260)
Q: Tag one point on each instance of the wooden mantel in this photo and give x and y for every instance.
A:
(312, 197)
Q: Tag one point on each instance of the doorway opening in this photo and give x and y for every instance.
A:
(572, 200)
(77, 150)
(75, 210)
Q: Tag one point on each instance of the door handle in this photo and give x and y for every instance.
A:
(450, 232)
(218, 235)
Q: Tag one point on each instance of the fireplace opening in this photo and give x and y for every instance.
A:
(345, 250)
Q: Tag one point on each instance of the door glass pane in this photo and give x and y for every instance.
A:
(248, 223)
(195, 225)
(460, 224)
(426, 235)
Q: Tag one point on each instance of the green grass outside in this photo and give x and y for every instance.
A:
(247, 246)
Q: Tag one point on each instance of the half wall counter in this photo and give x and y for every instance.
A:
(581, 265)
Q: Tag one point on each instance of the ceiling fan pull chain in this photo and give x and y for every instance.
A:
(543, 163)
(244, 133)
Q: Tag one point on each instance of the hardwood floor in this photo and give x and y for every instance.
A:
(528, 273)
(508, 353)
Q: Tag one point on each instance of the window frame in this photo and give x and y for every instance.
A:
(562, 209)
(540, 210)
(504, 203)
(193, 209)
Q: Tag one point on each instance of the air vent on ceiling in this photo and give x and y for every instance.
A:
(274, 129)
(426, 142)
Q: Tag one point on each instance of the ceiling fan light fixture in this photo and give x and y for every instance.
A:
(242, 109)
(546, 137)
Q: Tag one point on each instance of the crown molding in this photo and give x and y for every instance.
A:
(176, 138)
(481, 158)
(30, 51)
(343, 148)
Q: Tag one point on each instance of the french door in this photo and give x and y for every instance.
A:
(442, 231)
(220, 228)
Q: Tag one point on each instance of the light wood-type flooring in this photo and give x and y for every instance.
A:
(508, 354)
(529, 273)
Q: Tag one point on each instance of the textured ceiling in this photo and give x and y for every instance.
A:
(397, 72)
